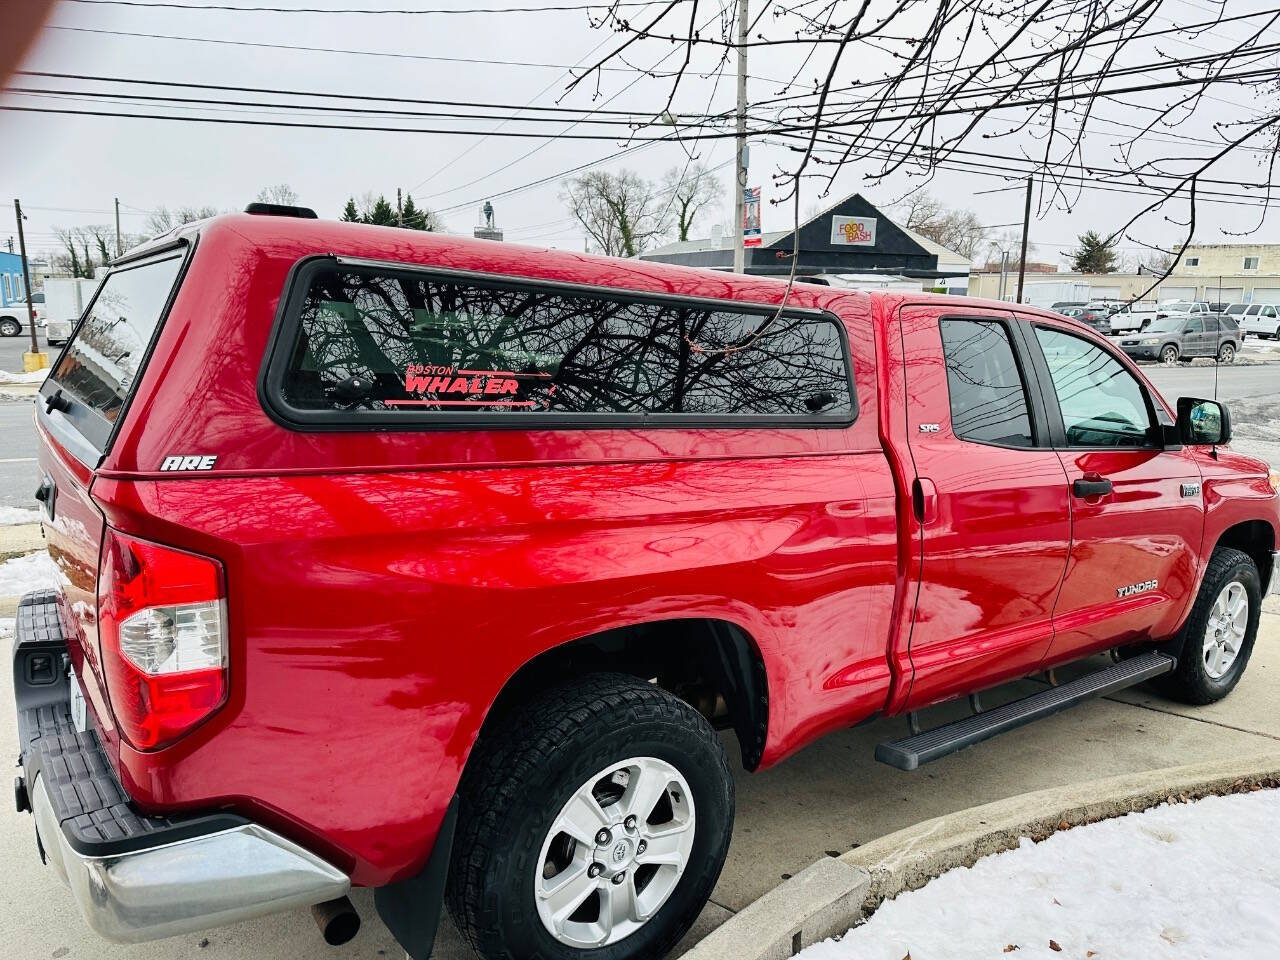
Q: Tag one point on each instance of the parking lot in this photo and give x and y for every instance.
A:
(823, 801)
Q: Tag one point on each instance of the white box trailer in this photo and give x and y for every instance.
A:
(64, 301)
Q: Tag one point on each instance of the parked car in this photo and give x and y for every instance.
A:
(14, 319)
(1185, 336)
(1194, 308)
(1063, 305)
(1097, 318)
(1133, 316)
(414, 562)
(1261, 320)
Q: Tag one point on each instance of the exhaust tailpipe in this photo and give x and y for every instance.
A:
(337, 920)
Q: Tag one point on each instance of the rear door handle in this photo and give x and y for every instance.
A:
(924, 500)
(1091, 485)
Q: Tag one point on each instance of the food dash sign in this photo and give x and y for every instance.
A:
(853, 231)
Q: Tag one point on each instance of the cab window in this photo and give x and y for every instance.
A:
(988, 397)
(1102, 403)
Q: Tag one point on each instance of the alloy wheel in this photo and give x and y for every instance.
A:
(615, 853)
(1224, 635)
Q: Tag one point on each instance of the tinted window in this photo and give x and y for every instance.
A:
(1102, 403)
(1194, 325)
(1228, 324)
(102, 361)
(1268, 311)
(988, 399)
(369, 340)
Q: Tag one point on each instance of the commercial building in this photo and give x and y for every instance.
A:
(851, 243)
(11, 286)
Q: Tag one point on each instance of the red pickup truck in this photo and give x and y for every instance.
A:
(434, 565)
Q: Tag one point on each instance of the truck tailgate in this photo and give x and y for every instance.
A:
(73, 527)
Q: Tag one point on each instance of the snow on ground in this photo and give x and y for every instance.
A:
(11, 516)
(1192, 881)
(36, 376)
(33, 571)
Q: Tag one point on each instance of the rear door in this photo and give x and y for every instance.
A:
(80, 405)
(990, 501)
(1137, 513)
(1195, 343)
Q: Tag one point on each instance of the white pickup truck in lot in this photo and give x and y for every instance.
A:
(1259, 319)
(1134, 316)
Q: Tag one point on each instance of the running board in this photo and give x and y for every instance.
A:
(911, 752)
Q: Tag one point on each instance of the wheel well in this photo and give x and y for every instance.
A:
(1257, 539)
(713, 665)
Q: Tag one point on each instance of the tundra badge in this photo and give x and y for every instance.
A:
(1137, 588)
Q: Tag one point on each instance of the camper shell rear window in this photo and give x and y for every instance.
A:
(99, 368)
(392, 346)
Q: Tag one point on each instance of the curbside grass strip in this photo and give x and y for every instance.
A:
(832, 895)
(815, 904)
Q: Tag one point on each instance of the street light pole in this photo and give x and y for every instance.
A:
(740, 172)
(26, 275)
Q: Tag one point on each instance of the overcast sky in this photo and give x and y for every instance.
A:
(67, 169)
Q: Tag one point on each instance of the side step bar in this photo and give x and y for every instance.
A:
(911, 752)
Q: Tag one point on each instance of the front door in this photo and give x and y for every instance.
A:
(1137, 513)
(990, 504)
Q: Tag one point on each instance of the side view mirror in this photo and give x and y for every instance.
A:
(1203, 422)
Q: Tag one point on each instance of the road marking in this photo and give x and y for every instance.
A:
(18, 460)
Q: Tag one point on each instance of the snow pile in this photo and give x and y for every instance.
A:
(35, 376)
(34, 571)
(1198, 880)
(11, 516)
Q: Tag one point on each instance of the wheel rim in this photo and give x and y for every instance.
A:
(1224, 636)
(615, 853)
(9, 328)
(1228, 354)
(1169, 355)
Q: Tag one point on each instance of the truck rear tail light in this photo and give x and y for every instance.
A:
(163, 627)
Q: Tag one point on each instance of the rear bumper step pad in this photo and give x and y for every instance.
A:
(920, 748)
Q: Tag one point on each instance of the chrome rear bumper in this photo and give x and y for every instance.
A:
(188, 885)
(137, 877)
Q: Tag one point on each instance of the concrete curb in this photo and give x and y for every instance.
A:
(815, 904)
(832, 895)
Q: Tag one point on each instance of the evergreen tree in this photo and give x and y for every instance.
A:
(1094, 255)
(349, 213)
(382, 213)
(411, 216)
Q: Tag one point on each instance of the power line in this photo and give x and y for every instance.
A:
(388, 54)
(165, 4)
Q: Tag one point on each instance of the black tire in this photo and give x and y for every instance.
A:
(9, 327)
(1190, 682)
(1227, 353)
(1168, 353)
(525, 770)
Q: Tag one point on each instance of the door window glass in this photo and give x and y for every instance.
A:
(1194, 325)
(1102, 403)
(988, 398)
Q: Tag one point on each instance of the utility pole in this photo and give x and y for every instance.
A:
(740, 171)
(26, 277)
(119, 248)
(1026, 223)
(1004, 263)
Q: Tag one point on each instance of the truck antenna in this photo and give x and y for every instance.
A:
(1217, 352)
